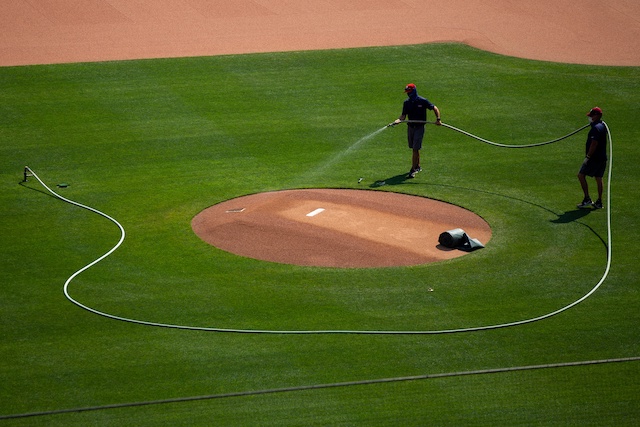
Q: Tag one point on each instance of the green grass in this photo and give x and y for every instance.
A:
(152, 143)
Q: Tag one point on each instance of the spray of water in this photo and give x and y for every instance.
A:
(336, 158)
(359, 142)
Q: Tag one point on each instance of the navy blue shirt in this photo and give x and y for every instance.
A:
(415, 108)
(599, 133)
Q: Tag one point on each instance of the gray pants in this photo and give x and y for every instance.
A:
(414, 136)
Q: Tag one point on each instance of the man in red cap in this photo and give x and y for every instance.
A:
(595, 161)
(415, 108)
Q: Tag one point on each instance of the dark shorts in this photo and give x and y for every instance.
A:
(594, 168)
(415, 135)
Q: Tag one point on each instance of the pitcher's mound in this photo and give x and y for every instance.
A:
(337, 228)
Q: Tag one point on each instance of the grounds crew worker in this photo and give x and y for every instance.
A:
(595, 161)
(415, 108)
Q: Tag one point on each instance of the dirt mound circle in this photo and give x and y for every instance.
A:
(337, 227)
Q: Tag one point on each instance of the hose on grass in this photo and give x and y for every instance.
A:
(496, 144)
(30, 172)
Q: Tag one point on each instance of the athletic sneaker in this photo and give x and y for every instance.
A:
(598, 204)
(413, 172)
(586, 204)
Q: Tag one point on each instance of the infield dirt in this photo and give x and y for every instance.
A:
(45, 32)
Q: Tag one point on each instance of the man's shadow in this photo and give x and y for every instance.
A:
(394, 180)
(570, 216)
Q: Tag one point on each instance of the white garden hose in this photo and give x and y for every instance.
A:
(538, 144)
(368, 332)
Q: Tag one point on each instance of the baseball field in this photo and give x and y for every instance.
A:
(201, 336)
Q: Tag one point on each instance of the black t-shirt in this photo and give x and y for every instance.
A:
(416, 108)
(599, 133)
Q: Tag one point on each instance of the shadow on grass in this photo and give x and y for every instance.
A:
(574, 216)
(394, 180)
(570, 216)
(25, 184)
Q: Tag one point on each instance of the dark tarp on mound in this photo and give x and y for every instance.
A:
(458, 239)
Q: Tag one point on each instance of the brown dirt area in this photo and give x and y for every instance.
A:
(56, 31)
(337, 228)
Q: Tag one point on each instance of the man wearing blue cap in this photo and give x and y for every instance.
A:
(415, 108)
(595, 161)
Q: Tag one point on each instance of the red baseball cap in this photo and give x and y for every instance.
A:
(595, 111)
(409, 88)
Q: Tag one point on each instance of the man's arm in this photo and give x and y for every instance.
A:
(592, 148)
(435, 110)
(399, 119)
